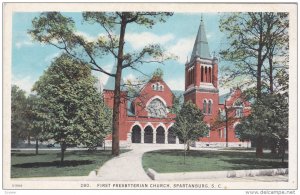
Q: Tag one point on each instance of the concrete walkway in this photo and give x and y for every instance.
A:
(128, 166)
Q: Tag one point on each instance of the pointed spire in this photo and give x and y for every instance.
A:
(201, 48)
(110, 83)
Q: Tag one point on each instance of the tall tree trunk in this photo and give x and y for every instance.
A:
(273, 146)
(259, 147)
(28, 139)
(226, 123)
(258, 81)
(117, 94)
(36, 146)
(282, 144)
(62, 152)
(184, 145)
(271, 73)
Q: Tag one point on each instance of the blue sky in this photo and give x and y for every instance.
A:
(177, 36)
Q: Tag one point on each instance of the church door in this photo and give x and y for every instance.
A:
(160, 135)
(148, 135)
(136, 134)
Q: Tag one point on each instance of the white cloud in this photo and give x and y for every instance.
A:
(50, 57)
(209, 35)
(130, 77)
(176, 84)
(139, 40)
(25, 83)
(182, 48)
(23, 43)
(87, 36)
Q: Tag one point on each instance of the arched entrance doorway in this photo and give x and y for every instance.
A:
(160, 135)
(136, 134)
(171, 136)
(148, 135)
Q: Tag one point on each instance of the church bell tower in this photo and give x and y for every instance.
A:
(201, 76)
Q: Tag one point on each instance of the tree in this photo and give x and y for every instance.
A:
(189, 124)
(253, 38)
(18, 107)
(55, 29)
(33, 119)
(269, 120)
(71, 104)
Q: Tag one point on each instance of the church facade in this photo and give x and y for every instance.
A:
(147, 117)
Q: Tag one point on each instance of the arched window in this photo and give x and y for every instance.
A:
(153, 87)
(157, 109)
(209, 75)
(193, 72)
(209, 106)
(239, 108)
(204, 106)
(220, 133)
(202, 72)
(161, 88)
(209, 129)
(205, 78)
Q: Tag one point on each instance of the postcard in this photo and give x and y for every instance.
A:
(160, 96)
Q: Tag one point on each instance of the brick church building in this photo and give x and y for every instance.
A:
(147, 117)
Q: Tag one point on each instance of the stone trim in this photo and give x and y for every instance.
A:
(215, 174)
(200, 144)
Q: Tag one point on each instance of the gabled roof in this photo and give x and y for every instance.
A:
(201, 48)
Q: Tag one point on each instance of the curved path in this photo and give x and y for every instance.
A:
(128, 166)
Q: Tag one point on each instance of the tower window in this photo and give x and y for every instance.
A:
(204, 106)
(205, 74)
(202, 72)
(209, 74)
(209, 107)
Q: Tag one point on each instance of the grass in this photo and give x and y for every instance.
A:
(47, 163)
(168, 161)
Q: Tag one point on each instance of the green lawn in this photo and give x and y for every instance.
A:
(47, 163)
(168, 161)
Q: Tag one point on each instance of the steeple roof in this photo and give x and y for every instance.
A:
(201, 48)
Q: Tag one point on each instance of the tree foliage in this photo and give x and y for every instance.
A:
(268, 121)
(69, 100)
(55, 29)
(254, 38)
(258, 51)
(189, 124)
(18, 108)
